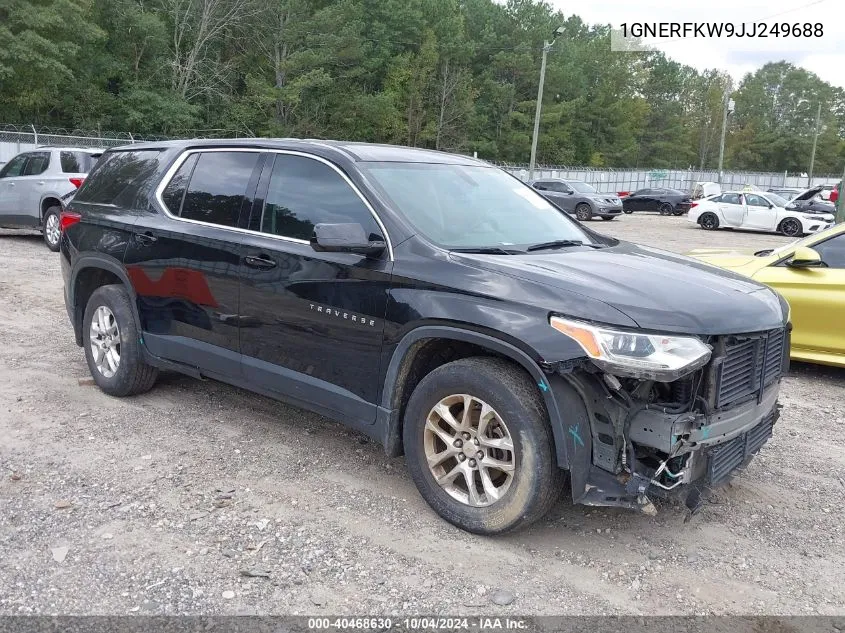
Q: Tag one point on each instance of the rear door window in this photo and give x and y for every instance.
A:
(118, 176)
(731, 198)
(36, 163)
(218, 186)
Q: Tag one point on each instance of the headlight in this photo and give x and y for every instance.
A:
(810, 217)
(661, 357)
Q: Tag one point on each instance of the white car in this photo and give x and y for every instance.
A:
(34, 186)
(756, 211)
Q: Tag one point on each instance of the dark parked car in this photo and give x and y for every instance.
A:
(574, 196)
(809, 201)
(664, 201)
(786, 193)
(434, 303)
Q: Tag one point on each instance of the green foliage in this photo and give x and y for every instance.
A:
(459, 75)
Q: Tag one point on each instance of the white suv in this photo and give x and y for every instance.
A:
(34, 186)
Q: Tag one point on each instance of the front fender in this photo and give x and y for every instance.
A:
(519, 356)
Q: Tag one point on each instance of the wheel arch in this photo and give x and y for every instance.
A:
(89, 273)
(400, 378)
(49, 200)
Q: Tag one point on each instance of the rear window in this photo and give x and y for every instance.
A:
(78, 162)
(118, 176)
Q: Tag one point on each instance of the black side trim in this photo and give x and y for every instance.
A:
(104, 262)
(19, 221)
(392, 421)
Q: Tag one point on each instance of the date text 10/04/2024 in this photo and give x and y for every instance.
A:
(418, 624)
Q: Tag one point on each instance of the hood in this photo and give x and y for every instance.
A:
(656, 289)
(602, 196)
(808, 195)
(727, 257)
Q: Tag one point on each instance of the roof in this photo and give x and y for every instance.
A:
(89, 150)
(359, 152)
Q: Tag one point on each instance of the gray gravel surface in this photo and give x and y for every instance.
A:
(203, 499)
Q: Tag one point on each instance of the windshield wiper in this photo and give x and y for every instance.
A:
(488, 250)
(560, 244)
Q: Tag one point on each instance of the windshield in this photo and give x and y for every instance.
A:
(810, 240)
(776, 200)
(582, 187)
(469, 206)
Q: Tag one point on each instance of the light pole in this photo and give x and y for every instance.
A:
(547, 46)
(729, 106)
(815, 142)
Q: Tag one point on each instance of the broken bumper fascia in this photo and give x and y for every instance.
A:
(596, 477)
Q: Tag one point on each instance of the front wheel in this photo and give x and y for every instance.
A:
(479, 446)
(608, 217)
(791, 227)
(583, 212)
(112, 344)
(50, 228)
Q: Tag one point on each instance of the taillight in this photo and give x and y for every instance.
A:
(76, 182)
(693, 205)
(68, 218)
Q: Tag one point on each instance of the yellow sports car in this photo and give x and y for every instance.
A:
(810, 273)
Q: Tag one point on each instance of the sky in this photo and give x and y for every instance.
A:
(824, 56)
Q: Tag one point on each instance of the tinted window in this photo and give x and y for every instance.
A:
(755, 200)
(542, 186)
(118, 176)
(218, 187)
(304, 192)
(731, 198)
(36, 163)
(583, 187)
(642, 192)
(14, 167)
(560, 187)
(77, 162)
(174, 193)
(833, 251)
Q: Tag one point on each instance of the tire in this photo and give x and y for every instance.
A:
(708, 221)
(129, 375)
(665, 209)
(628, 211)
(583, 211)
(791, 227)
(678, 212)
(517, 413)
(50, 228)
(609, 217)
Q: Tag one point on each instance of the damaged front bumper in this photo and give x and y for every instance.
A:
(625, 453)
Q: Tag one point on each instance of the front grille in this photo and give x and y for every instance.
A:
(750, 364)
(727, 457)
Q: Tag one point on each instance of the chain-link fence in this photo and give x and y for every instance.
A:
(628, 180)
(15, 139)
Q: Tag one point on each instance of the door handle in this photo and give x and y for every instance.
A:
(259, 261)
(40, 182)
(146, 238)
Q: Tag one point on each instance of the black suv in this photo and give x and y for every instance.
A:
(433, 302)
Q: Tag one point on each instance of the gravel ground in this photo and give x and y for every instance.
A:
(199, 498)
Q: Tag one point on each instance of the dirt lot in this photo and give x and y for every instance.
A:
(165, 503)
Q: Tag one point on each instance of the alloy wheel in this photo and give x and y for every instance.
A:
(469, 450)
(790, 228)
(105, 341)
(51, 229)
(708, 221)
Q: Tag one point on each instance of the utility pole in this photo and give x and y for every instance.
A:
(547, 46)
(815, 141)
(840, 201)
(729, 104)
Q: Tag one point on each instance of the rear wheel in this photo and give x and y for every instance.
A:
(112, 344)
(608, 217)
(583, 211)
(791, 227)
(50, 228)
(479, 447)
(628, 211)
(665, 209)
(709, 221)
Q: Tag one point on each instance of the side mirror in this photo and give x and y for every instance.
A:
(344, 238)
(570, 192)
(805, 257)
